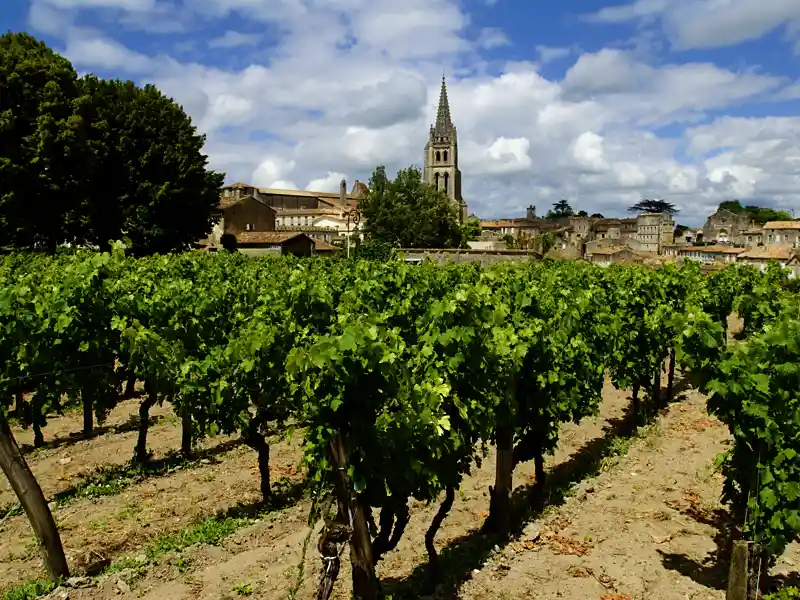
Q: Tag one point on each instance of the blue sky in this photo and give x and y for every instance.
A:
(694, 101)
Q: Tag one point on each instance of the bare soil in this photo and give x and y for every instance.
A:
(642, 521)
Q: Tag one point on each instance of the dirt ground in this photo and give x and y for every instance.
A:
(642, 521)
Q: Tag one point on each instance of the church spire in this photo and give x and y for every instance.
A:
(443, 123)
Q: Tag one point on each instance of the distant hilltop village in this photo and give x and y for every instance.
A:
(307, 222)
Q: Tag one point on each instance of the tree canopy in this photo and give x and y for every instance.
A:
(407, 213)
(88, 160)
(758, 214)
(652, 205)
(38, 135)
(560, 209)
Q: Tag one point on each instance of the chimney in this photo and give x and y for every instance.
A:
(531, 212)
(343, 191)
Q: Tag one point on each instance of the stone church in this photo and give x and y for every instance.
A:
(441, 155)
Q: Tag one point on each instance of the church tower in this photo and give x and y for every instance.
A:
(441, 155)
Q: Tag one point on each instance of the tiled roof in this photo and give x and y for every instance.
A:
(267, 237)
(715, 249)
(609, 251)
(783, 225)
(228, 202)
(303, 212)
(773, 251)
(323, 246)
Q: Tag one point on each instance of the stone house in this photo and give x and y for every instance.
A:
(323, 215)
(238, 214)
(760, 256)
(753, 237)
(793, 264)
(259, 243)
(782, 232)
(654, 230)
(718, 253)
(613, 254)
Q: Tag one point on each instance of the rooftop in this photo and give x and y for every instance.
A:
(715, 249)
(267, 237)
(773, 251)
(783, 225)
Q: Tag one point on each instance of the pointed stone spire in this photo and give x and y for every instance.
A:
(443, 125)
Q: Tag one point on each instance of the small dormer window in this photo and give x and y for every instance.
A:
(250, 227)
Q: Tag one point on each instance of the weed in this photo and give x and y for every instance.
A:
(243, 589)
(29, 590)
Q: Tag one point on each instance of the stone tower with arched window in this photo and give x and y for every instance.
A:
(441, 155)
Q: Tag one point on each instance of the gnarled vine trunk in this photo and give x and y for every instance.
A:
(365, 584)
(140, 453)
(499, 520)
(254, 438)
(88, 415)
(430, 535)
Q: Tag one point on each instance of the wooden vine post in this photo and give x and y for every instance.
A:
(33, 501)
(746, 573)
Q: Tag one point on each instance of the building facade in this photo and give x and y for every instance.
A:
(441, 155)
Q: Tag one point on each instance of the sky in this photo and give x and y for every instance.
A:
(692, 101)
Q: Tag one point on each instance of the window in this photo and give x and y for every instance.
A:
(446, 182)
(436, 180)
(250, 227)
(445, 156)
(438, 156)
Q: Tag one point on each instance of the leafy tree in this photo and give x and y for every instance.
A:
(145, 173)
(560, 209)
(407, 213)
(472, 228)
(583, 213)
(38, 166)
(758, 214)
(680, 230)
(646, 205)
(733, 206)
(598, 216)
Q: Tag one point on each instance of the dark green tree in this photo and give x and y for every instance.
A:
(647, 205)
(407, 213)
(146, 175)
(40, 172)
(583, 213)
(560, 209)
(598, 216)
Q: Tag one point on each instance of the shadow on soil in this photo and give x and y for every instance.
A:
(469, 552)
(132, 424)
(212, 530)
(713, 570)
(106, 481)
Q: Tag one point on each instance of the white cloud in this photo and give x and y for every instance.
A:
(550, 53)
(233, 39)
(588, 152)
(345, 85)
(330, 183)
(492, 37)
(709, 23)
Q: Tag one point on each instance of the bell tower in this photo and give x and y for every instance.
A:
(441, 155)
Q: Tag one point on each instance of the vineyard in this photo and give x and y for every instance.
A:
(327, 417)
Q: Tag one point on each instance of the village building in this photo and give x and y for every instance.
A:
(260, 243)
(782, 232)
(725, 226)
(718, 253)
(761, 256)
